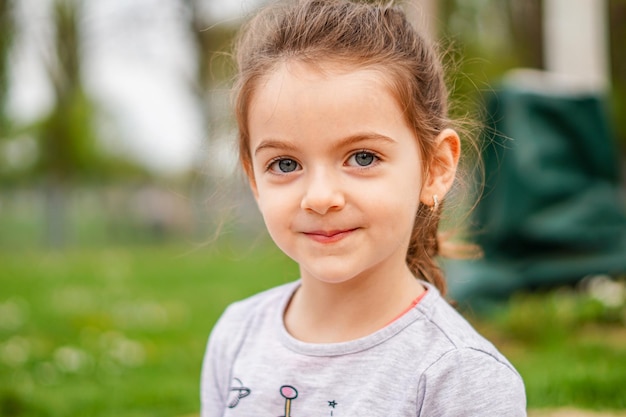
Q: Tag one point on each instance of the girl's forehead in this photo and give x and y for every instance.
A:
(302, 73)
(295, 86)
(331, 67)
(295, 92)
(300, 102)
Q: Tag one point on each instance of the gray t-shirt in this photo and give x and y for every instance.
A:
(429, 362)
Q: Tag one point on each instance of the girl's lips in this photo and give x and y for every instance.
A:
(328, 236)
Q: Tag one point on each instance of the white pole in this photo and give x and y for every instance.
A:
(576, 41)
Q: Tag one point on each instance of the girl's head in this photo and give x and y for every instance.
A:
(325, 34)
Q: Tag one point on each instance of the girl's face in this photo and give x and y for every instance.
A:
(337, 171)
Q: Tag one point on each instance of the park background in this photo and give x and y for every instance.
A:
(126, 226)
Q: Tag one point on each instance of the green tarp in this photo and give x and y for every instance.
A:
(552, 210)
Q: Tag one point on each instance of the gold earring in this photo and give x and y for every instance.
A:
(435, 205)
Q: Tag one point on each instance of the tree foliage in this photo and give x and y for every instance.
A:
(6, 37)
(67, 135)
(66, 138)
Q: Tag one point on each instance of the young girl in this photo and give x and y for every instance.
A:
(344, 137)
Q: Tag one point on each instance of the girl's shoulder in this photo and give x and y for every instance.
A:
(448, 331)
(242, 317)
(482, 376)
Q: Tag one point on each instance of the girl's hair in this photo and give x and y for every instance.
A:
(354, 35)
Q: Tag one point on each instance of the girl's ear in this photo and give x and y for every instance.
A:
(442, 170)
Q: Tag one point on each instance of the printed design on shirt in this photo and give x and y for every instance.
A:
(237, 392)
(332, 404)
(289, 393)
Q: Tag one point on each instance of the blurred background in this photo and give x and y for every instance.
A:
(126, 226)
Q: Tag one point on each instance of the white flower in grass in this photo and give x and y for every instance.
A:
(124, 351)
(611, 293)
(15, 351)
(70, 359)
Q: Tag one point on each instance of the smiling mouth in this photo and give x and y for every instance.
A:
(328, 236)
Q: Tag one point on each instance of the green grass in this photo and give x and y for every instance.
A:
(116, 332)
(569, 345)
(121, 332)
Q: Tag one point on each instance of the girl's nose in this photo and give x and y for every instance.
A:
(323, 194)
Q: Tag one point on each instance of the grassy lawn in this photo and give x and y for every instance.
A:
(116, 332)
(569, 346)
(121, 332)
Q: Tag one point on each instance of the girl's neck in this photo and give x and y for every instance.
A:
(322, 312)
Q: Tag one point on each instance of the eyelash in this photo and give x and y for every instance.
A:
(376, 156)
(273, 161)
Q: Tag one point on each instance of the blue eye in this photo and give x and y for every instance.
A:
(284, 165)
(362, 158)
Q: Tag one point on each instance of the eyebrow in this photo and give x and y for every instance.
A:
(274, 144)
(364, 137)
(347, 141)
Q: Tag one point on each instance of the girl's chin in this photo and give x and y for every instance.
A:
(333, 277)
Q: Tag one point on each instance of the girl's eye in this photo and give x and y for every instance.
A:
(362, 158)
(284, 165)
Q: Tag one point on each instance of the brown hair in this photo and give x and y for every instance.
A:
(358, 35)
